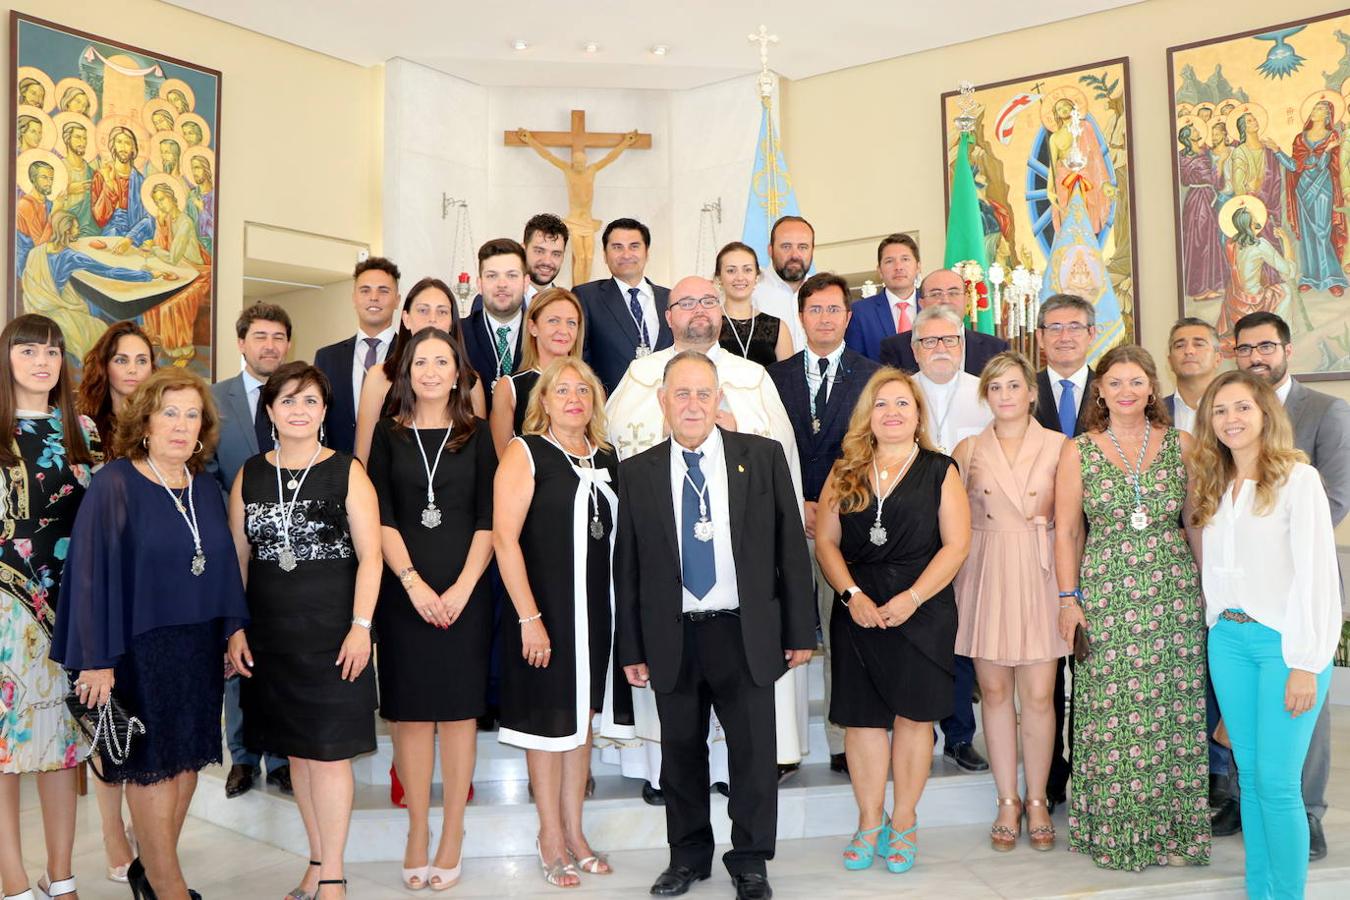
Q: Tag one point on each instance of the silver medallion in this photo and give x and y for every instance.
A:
(1139, 519)
(198, 563)
(286, 559)
(597, 529)
(815, 426)
(703, 530)
(643, 350)
(878, 535)
(431, 516)
(292, 485)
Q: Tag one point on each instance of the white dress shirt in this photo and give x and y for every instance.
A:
(650, 314)
(894, 301)
(831, 372)
(1283, 390)
(1079, 380)
(714, 468)
(954, 409)
(531, 289)
(776, 297)
(385, 338)
(1279, 568)
(491, 325)
(1183, 417)
(252, 388)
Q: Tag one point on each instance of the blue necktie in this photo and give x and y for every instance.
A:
(696, 557)
(636, 309)
(1068, 413)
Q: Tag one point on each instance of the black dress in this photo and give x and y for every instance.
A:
(569, 570)
(297, 703)
(881, 673)
(521, 384)
(758, 337)
(429, 674)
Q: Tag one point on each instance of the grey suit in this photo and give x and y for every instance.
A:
(238, 441)
(1322, 430)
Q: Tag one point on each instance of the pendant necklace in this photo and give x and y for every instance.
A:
(810, 395)
(878, 533)
(198, 565)
(286, 558)
(597, 526)
(1139, 518)
(431, 516)
(703, 528)
(750, 333)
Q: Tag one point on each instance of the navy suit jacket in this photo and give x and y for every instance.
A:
(1047, 413)
(238, 442)
(818, 452)
(482, 349)
(980, 348)
(871, 324)
(339, 423)
(611, 336)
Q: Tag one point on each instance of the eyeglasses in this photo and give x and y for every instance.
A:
(832, 310)
(688, 303)
(1265, 348)
(938, 294)
(1072, 329)
(950, 341)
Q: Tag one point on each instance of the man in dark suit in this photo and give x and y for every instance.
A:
(892, 309)
(819, 388)
(494, 332)
(375, 298)
(1066, 327)
(1322, 431)
(712, 590)
(545, 243)
(625, 314)
(264, 339)
(946, 287)
(1193, 357)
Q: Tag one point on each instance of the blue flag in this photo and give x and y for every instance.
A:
(771, 193)
(1075, 266)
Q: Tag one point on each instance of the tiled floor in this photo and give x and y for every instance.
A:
(953, 863)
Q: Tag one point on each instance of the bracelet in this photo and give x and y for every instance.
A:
(914, 597)
(360, 622)
(406, 577)
(534, 618)
(1076, 593)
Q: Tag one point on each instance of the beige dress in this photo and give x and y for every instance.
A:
(1006, 593)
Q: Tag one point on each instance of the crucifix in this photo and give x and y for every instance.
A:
(580, 177)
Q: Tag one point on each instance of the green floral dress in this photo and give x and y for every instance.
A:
(1140, 790)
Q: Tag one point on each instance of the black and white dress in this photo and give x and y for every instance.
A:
(570, 575)
(297, 703)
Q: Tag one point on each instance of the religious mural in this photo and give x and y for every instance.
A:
(1051, 157)
(115, 178)
(1263, 183)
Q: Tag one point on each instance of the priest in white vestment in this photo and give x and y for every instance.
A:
(750, 404)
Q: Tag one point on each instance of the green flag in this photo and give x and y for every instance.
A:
(965, 234)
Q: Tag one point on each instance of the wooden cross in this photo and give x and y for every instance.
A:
(578, 138)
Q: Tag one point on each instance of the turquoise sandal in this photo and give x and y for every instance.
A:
(901, 856)
(859, 854)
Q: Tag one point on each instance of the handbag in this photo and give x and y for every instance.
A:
(1081, 648)
(109, 729)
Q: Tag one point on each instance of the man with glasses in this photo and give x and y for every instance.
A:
(819, 387)
(943, 288)
(1066, 327)
(749, 404)
(1322, 431)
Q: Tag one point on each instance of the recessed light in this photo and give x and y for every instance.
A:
(660, 49)
(591, 47)
(519, 44)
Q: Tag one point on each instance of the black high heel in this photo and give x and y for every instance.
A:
(136, 880)
(319, 889)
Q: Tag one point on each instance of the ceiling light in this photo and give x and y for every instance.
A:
(660, 49)
(591, 47)
(519, 44)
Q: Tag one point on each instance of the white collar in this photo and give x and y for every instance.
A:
(833, 356)
(711, 446)
(1078, 378)
(251, 384)
(931, 387)
(493, 323)
(644, 289)
(893, 298)
(384, 337)
(1283, 390)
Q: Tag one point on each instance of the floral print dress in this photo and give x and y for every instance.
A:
(1140, 790)
(38, 501)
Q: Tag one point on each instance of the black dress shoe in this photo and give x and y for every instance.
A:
(676, 880)
(752, 886)
(281, 780)
(787, 771)
(839, 763)
(239, 781)
(967, 757)
(1317, 841)
(1226, 818)
(653, 797)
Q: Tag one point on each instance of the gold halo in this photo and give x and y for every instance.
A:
(1185, 109)
(61, 176)
(1337, 106)
(1063, 92)
(40, 76)
(1258, 112)
(1252, 203)
(191, 153)
(108, 123)
(48, 139)
(66, 84)
(175, 184)
(158, 136)
(1197, 125)
(61, 120)
(206, 129)
(152, 107)
(178, 84)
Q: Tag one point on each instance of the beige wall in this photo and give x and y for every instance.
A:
(301, 136)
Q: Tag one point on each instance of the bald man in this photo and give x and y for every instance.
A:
(943, 287)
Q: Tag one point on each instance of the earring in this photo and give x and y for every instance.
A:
(274, 434)
(1101, 402)
(200, 448)
(145, 442)
(321, 436)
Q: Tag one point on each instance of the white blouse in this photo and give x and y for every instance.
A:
(1279, 568)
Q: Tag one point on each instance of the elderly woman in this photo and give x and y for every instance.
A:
(1140, 782)
(892, 529)
(306, 531)
(1005, 591)
(554, 327)
(151, 593)
(553, 531)
(44, 471)
(432, 463)
(1272, 602)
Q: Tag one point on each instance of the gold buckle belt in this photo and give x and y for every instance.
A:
(1236, 615)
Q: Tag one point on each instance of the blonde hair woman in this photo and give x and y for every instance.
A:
(552, 331)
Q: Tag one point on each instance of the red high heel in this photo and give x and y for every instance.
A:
(395, 788)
